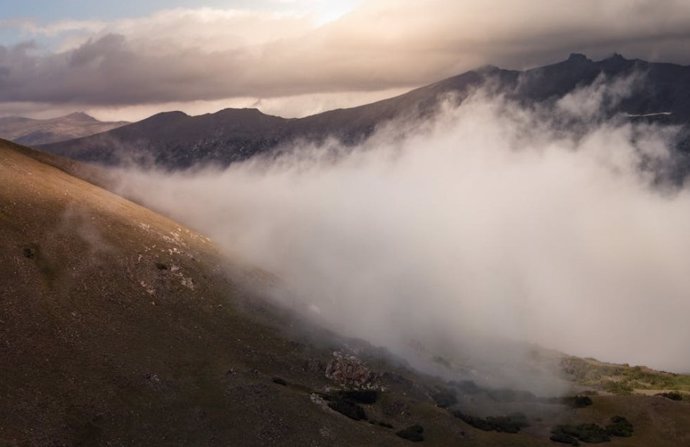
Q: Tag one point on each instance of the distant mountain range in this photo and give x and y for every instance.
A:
(177, 141)
(42, 131)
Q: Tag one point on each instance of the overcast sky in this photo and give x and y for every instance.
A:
(126, 60)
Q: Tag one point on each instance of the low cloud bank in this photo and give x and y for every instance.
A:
(490, 225)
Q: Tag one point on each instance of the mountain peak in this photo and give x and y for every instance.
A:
(578, 57)
(80, 116)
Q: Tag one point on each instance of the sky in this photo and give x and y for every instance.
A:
(130, 59)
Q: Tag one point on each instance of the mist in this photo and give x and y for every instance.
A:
(490, 224)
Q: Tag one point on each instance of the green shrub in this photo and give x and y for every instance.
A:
(591, 433)
(619, 426)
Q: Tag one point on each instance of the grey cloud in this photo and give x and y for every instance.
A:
(380, 45)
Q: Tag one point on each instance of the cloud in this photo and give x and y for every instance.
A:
(485, 227)
(209, 54)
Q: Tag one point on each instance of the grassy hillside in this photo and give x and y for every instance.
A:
(119, 326)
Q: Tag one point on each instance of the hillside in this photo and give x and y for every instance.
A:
(43, 131)
(176, 140)
(119, 326)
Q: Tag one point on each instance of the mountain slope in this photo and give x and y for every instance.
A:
(35, 131)
(175, 140)
(119, 326)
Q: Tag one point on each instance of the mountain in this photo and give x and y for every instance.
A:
(176, 140)
(35, 131)
(119, 326)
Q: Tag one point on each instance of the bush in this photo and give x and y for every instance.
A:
(512, 423)
(347, 408)
(619, 426)
(279, 381)
(361, 396)
(563, 438)
(445, 398)
(577, 401)
(591, 433)
(673, 395)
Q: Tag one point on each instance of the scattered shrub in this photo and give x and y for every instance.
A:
(619, 426)
(414, 433)
(563, 438)
(577, 401)
(161, 266)
(591, 433)
(445, 398)
(348, 408)
(512, 423)
(280, 381)
(29, 252)
(673, 395)
(360, 396)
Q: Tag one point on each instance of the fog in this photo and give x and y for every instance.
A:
(488, 224)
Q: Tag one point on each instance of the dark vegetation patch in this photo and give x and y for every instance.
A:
(620, 426)
(673, 395)
(30, 252)
(445, 397)
(414, 433)
(360, 396)
(591, 433)
(512, 423)
(380, 423)
(577, 401)
(559, 436)
(280, 381)
(348, 408)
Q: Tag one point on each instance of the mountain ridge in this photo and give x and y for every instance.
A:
(31, 131)
(175, 140)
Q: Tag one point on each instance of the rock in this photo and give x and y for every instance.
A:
(348, 371)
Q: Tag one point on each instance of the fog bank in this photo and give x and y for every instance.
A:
(489, 222)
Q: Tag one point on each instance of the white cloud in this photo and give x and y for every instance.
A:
(485, 223)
